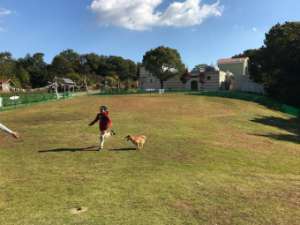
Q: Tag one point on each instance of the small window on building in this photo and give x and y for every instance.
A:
(208, 78)
(151, 81)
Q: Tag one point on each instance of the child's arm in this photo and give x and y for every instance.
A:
(5, 129)
(109, 122)
(94, 121)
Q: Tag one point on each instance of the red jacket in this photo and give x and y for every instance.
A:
(104, 121)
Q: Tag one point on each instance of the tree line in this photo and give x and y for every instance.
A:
(33, 72)
(276, 64)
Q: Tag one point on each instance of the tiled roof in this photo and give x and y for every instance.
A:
(4, 81)
(64, 80)
(67, 80)
(230, 60)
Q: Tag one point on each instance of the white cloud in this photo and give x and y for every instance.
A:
(143, 14)
(254, 29)
(4, 12)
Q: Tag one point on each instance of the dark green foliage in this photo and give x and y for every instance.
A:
(23, 76)
(282, 64)
(277, 63)
(185, 76)
(7, 66)
(33, 71)
(36, 67)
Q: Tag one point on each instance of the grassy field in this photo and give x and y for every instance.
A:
(208, 160)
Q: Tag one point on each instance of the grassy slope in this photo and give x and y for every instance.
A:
(208, 161)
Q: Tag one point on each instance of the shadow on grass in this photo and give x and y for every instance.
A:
(85, 149)
(292, 126)
(122, 149)
(260, 99)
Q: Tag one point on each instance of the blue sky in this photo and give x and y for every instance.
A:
(109, 27)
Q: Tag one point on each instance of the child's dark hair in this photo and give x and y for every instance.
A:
(103, 108)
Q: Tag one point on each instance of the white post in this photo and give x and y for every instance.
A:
(56, 91)
(161, 91)
(1, 102)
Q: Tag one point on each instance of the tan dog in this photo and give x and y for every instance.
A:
(138, 140)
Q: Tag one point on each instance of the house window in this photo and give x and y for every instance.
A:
(208, 78)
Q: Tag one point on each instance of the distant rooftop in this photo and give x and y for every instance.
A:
(65, 80)
(232, 60)
(4, 81)
(68, 81)
(202, 68)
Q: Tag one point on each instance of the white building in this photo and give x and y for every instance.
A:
(5, 86)
(232, 74)
(206, 79)
(237, 66)
(240, 80)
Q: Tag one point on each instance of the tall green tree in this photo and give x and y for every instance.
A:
(36, 67)
(72, 57)
(164, 63)
(89, 63)
(66, 62)
(277, 63)
(60, 66)
(7, 66)
(282, 62)
(23, 76)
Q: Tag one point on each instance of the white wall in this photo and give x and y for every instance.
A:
(243, 83)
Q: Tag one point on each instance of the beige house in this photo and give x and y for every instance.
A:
(206, 79)
(5, 86)
(237, 66)
(240, 77)
(232, 74)
(147, 81)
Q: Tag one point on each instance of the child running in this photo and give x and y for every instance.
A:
(8, 131)
(105, 123)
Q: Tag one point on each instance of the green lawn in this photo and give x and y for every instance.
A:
(208, 160)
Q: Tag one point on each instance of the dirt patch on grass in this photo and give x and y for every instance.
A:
(183, 205)
(78, 210)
